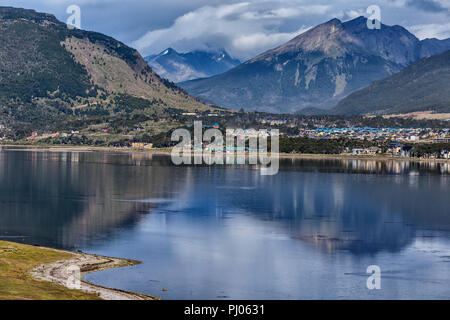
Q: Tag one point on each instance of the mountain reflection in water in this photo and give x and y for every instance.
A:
(135, 205)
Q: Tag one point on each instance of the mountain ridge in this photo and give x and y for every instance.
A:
(422, 86)
(316, 69)
(50, 72)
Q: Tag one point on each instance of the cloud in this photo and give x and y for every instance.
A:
(125, 20)
(430, 5)
(352, 14)
(261, 41)
(433, 30)
(244, 29)
(283, 13)
(249, 27)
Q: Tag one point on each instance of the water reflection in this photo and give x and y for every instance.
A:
(401, 166)
(360, 213)
(191, 224)
(65, 199)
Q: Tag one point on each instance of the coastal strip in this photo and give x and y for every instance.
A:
(168, 151)
(38, 273)
(60, 271)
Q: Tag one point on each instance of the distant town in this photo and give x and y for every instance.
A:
(299, 134)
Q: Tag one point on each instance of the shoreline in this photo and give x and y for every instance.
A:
(362, 157)
(62, 148)
(58, 273)
(167, 151)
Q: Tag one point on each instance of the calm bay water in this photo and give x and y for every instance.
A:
(309, 232)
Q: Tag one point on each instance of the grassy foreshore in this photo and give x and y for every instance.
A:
(66, 148)
(20, 264)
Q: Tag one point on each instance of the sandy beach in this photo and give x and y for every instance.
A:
(59, 273)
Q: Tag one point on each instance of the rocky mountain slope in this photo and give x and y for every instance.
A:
(421, 86)
(178, 67)
(317, 68)
(49, 72)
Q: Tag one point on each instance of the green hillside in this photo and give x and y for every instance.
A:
(423, 85)
(51, 75)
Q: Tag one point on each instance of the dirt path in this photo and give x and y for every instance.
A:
(59, 272)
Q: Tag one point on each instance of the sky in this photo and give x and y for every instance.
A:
(243, 28)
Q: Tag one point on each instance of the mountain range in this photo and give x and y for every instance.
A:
(178, 67)
(422, 86)
(316, 69)
(49, 72)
